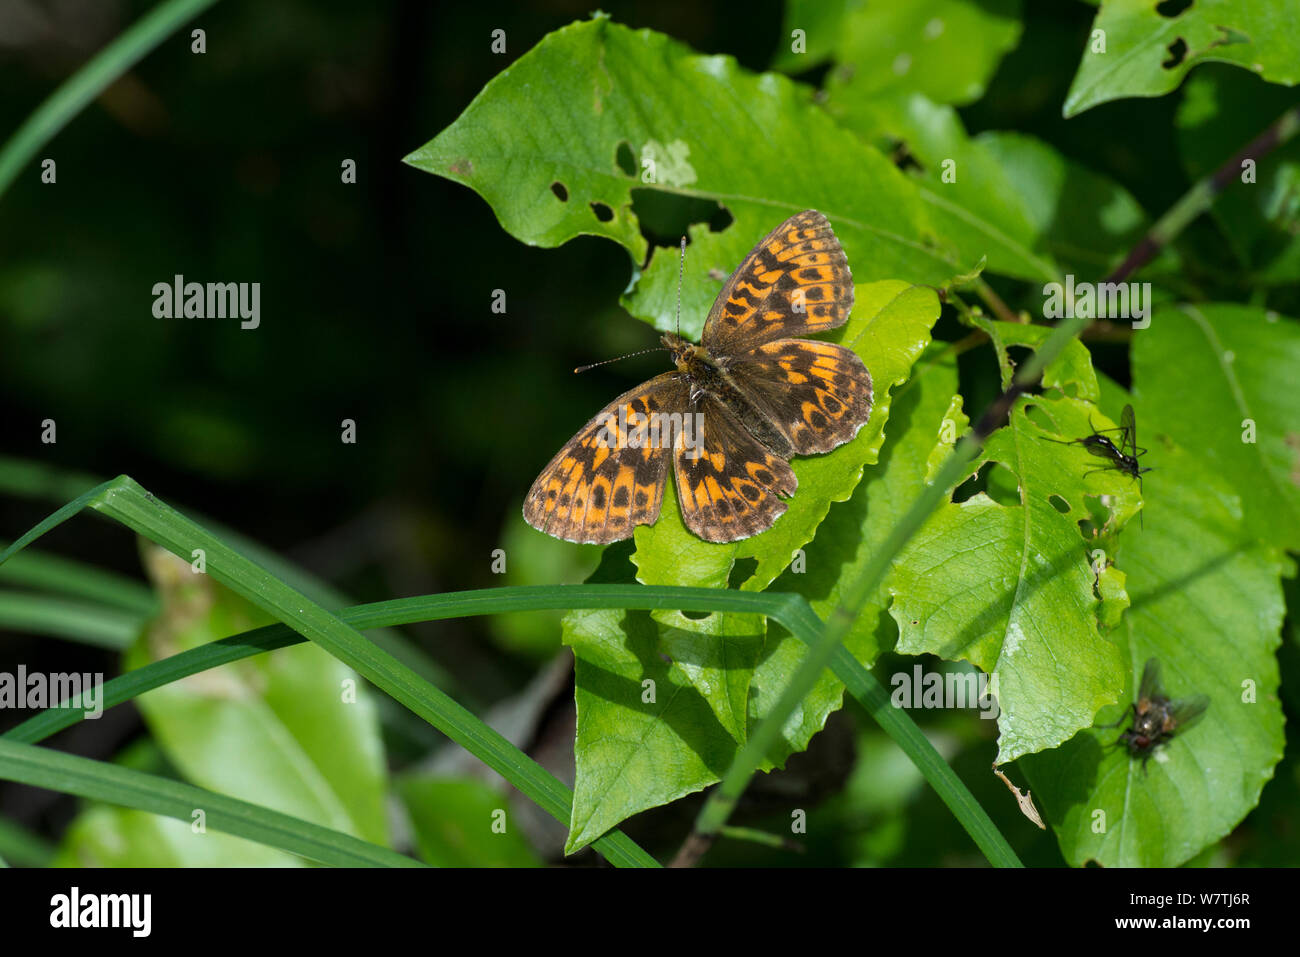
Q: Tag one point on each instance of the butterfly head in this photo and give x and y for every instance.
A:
(686, 355)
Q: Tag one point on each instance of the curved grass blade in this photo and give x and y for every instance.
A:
(99, 781)
(92, 79)
(127, 502)
(791, 611)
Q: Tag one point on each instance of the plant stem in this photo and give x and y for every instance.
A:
(1201, 196)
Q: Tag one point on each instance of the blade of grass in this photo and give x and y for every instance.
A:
(791, 611)
(40, 481)
(98, 73)
(125, 501)
(85, 622)
(52, 573)
(99, 781)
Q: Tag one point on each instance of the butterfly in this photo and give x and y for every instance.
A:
(733, 411)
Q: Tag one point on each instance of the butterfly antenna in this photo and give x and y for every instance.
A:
(605, 362)
(681, 269)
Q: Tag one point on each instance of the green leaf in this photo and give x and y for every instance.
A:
(851, 532)
(105, 836)
(1007, 196)
(591, 102)
(454, 822)
(1148, 53)
(713, 701)
(1220, 110)
(1009, 587)
(944, 49)
(1207, 602)
(1070, 373)
(293, 730)
(1243, 415)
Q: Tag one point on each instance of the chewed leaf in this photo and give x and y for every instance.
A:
(1010, 587)
(1145, 49)
(606, 112)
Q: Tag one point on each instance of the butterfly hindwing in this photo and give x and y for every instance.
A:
(729, 484)
(607, 480)
(818, 394)
(796, 281)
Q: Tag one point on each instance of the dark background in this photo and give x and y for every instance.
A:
(375, 298)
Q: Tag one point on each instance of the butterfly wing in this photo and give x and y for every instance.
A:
(728, 483)
(817, 394)
(607, 479)
(796, 281)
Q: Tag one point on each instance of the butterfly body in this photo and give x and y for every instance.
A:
(733, 411)
(706, 376)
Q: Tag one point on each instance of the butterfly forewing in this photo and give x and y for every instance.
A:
(796, 281)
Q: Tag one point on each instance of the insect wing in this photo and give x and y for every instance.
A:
(1150, 685)
(1187, 710)
(1128, 428)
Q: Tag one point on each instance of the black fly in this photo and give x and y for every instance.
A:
(1156, 718)
(1123, 457)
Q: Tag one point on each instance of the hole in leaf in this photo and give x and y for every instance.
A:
(742, 571)
(664, 217)
(1060, 504)
(624, 159)
(1172, 8)
(994, 480)
(721, 219)
(560, 192)
(696, 615)
(603, 212)
(1018, 355)
(902, 158)
(1177, 51)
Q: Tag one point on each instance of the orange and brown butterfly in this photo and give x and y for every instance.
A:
(733, 412)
